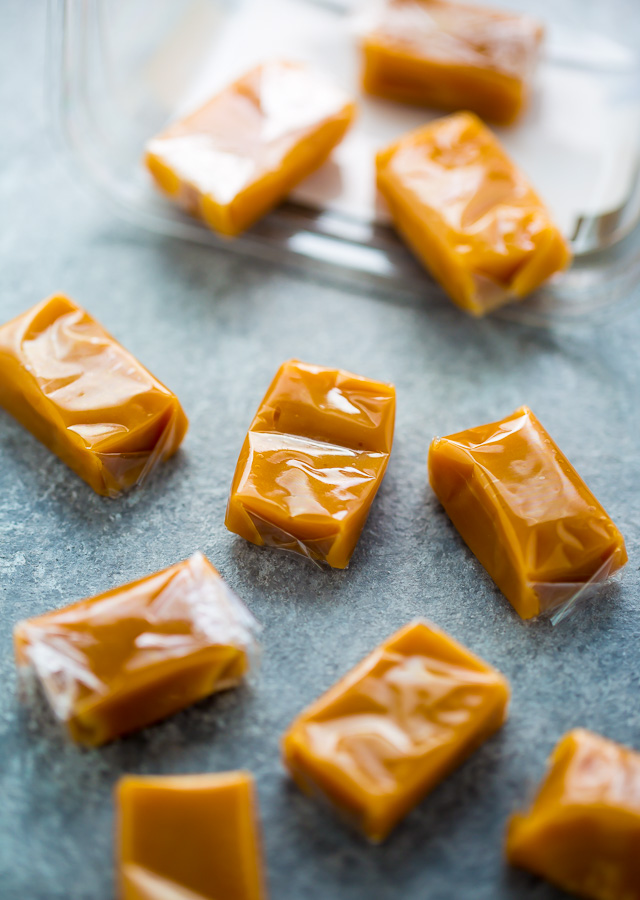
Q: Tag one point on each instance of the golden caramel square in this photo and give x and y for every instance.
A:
(313, 460)
(240, 154)
(389, 731)
(189, 837)
(452, 56)
(86, 398)
(524, 511)
(582, 830)
(121, 660)
(469, 214)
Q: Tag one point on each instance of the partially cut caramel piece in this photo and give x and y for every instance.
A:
(453, 56)
(583, 830)
(469, 214)
(241, 153)
(312, 462)
(396, 725)
(136, 654)
(189, 837)
(85, 397)
(525, 512)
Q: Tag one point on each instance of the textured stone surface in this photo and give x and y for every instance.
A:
(215, 328)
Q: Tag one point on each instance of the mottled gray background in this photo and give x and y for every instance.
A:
(215, 327)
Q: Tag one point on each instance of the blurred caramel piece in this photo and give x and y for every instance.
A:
(452, 56)
(404, 718)
(134, 655)
(525, 512)
(582, 831)
(189, 837)
(241, 153)
(312, 462)
(469, 214)
(88, 400)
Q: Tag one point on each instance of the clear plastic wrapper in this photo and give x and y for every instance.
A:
(121, 660)
(526, 514)
(313, 460)
(392, 728)
(315, 550)
(86, 398)
(123, 69)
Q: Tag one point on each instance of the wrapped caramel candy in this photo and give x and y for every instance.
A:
(583, 828)
(241, 153)
(453, 56)
(189, 837)
(136, 654)
(85, 397)
(525, 512)
(384, 736)
(312, 462)
(469, 214)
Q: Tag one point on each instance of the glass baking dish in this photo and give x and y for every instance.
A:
(121, 69)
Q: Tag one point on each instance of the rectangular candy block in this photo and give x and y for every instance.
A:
(189, 837)
(582, 831)
(386, 734)
(241, 153)
(469, 214)
(312, 462)
(114, 663)
(85, 397)
(524, 511)
(452, 56)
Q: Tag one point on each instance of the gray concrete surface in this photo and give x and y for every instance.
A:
(214, 328)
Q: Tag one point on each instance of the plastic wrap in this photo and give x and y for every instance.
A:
(133, 655)
(527, 515)
(238, 155)
(469, 214)
(452, 56)
(86, 398)
(313, 460)
(581, 831)
(389, 731)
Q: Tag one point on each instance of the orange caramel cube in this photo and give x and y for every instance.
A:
(452, 56)
(189, 837)
(524, 511)
(85, 397)
(389, 731)
(582, 831)
(241, 153)
(312, 462)
(114, 663)
(469, 214)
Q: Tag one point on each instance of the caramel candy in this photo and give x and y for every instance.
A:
(452, 56)
(312, 462)
(241, 153)
(469, 214)
(136, 654)
(189, 837)
(525, 512)
(384, 736)
(583, 830)
(88, 400)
